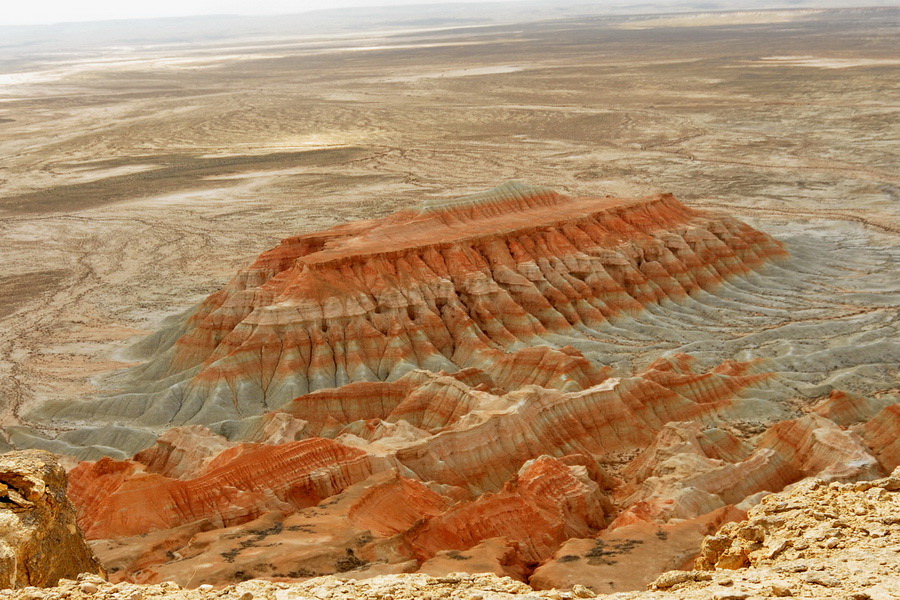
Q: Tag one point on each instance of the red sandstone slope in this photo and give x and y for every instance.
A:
(433, 427)
(519, 479)
(287, 477)
(479, 282)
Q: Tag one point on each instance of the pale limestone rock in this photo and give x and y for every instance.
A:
(40, 542)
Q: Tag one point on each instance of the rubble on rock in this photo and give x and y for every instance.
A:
(40, 541)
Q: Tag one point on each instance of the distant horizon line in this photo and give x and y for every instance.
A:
(672, 8)
(387, 5)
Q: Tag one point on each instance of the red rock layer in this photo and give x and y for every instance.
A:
(547, 503)
(396, 505)
(116, 499)
(617, 416)
(445, 287)
(405, 497)
(882, 435)
(435, 426)
(426, 400)
(847, 409)
(725, 381)
(423, 358)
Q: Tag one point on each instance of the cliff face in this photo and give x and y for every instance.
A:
(249, 481)
(40, 541)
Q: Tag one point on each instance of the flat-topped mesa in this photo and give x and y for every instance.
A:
(444, 286)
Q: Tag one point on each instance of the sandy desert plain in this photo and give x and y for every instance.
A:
(137, 178)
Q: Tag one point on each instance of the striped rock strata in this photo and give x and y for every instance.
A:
(502, 482)
(478, 282)
(435, 390)
(431, 427)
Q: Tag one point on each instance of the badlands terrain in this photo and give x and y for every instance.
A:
(551, 298)
(838, 540)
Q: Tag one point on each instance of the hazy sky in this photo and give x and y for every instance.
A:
(23, 12)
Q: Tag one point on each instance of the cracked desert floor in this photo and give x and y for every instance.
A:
(136, 179)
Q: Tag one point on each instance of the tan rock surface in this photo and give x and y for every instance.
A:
(819, 540)
(40, 541)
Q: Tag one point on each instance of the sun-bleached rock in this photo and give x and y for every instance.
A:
(40, 541)
(846, 409)
(802, 524)
(629, 557)
(495, 555)
(815, 446)
(817, 540)
(691, 470)
(785, 549)
(182, 452)
(619, 415)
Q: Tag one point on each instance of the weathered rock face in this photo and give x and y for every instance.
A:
(881, 434)
(40, 541)
(432, 427)
(820, 534)
(547, 503)
(503, 482)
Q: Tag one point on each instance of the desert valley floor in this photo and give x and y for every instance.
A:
(136, 180)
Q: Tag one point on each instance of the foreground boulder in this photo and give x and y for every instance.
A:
(40, 542)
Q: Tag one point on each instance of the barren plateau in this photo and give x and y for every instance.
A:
(263, 293)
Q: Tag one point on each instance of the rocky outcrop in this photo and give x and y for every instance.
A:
(880, 434)
(630, 556)
(434, 427)
(691, 470)
(504, 482)
(547, 503)
(182, 452)
(40, 541)
(838, 539)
